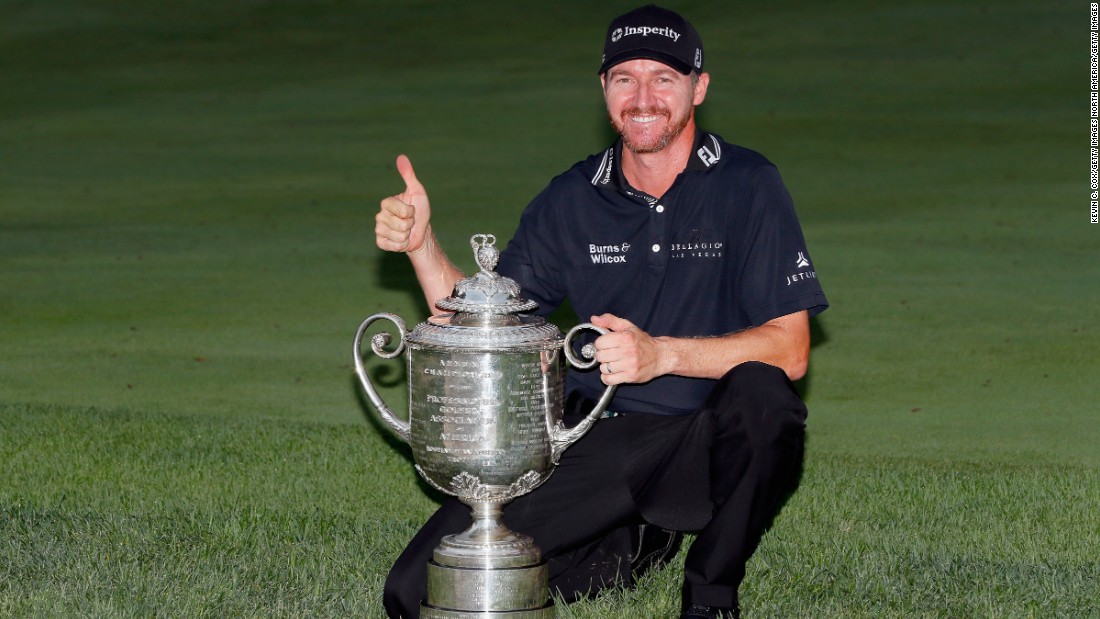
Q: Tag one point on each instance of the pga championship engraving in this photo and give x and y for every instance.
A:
(485, 425)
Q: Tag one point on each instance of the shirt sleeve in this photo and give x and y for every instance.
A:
(777, 275)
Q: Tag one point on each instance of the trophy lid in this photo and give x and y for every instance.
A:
(486, 312)
(486, 298)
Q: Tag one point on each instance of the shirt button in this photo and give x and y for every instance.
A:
(656, 248)
(660, 208)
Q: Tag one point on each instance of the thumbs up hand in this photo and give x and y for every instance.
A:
(402, 223)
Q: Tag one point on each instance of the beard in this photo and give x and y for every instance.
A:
(650, 144)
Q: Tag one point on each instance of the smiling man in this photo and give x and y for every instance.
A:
(687, 249)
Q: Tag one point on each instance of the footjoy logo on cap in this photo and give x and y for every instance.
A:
(644, 31)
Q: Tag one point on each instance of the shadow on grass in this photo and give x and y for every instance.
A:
(395, 273)
(387, 376)
(818, 337)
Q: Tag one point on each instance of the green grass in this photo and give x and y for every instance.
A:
(187, 193)
(111, 513)
(114, 513)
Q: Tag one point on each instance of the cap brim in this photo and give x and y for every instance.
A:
(648, 54)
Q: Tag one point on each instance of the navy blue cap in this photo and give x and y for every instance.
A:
(653, 33)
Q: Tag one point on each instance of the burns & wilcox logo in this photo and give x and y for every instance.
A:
(608, 254)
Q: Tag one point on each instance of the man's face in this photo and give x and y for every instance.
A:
(650, 103)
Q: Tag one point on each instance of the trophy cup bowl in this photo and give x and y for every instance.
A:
(485, 425)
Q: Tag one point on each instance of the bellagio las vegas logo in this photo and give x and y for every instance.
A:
(801, 262)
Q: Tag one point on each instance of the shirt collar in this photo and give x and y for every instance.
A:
(706, 151)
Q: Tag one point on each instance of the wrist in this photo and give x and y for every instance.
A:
(668, 355)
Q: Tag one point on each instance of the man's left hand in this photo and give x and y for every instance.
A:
(627, 354)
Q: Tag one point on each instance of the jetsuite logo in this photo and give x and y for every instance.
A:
(608, 254)
(801, 262)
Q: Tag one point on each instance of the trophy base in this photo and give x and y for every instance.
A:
(430, 612)
(468, 593)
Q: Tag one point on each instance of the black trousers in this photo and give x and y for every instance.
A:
(723, 473)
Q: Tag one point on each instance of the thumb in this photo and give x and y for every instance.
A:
(405, 169)
(612, 322)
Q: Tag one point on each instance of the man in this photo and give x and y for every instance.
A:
(687, 249)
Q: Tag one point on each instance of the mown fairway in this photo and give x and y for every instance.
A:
(187, 193)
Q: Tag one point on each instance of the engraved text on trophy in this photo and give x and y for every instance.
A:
(480, 417)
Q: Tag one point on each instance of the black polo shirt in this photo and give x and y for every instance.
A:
(721, 251)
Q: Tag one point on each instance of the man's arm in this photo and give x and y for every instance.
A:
(633, 356)
(403, 224)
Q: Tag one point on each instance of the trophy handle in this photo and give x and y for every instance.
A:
(561, 438)
(377, 344)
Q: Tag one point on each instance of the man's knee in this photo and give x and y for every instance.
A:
(758, 399)
(759, 424)
(756, 375)
(402, 592)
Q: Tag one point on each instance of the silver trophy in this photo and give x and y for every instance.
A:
(485, 425)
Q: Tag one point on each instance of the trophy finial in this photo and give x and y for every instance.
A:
(485, 252)
(486, 295)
